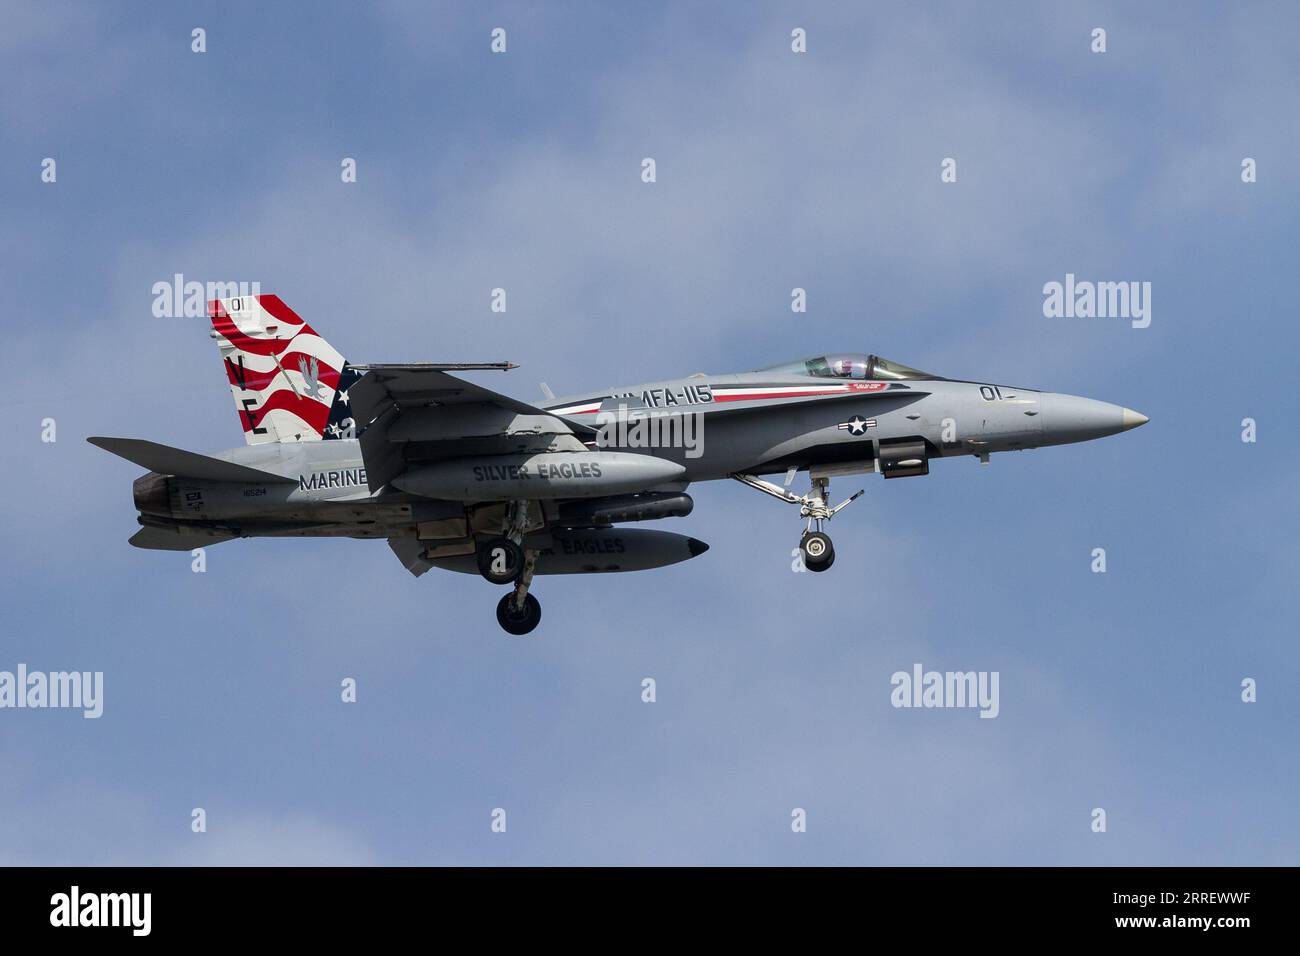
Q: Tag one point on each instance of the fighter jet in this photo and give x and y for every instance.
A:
(457, 476)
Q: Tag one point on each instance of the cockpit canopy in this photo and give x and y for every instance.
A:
(853, 365)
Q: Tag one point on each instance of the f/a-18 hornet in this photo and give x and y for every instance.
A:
(457, 476)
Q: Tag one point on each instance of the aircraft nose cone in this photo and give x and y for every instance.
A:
(1133, 419)
(1071, 418)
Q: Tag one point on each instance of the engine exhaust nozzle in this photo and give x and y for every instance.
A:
(152, 496)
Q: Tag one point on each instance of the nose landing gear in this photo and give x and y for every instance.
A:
(818, 552)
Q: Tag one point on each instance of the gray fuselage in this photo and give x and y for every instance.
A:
(712, 426)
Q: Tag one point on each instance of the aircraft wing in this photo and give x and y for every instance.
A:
(407, 414)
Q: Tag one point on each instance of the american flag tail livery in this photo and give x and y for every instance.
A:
(289, 384)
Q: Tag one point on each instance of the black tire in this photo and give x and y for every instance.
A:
(500, 560)
(518, 621)
(823, 565)
(818, 552)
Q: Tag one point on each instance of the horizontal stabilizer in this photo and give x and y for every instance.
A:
(187, 464)
(177, 539)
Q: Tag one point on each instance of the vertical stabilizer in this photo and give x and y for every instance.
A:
(289, 384)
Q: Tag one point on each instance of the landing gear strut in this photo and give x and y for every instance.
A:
(519, 612)
(503, 559)
(818, 552)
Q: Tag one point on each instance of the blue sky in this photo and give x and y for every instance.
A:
(775, 170)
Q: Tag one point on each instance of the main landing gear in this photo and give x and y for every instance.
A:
(519, 612)
(504, 560)
(500, 560)
(818, 552)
